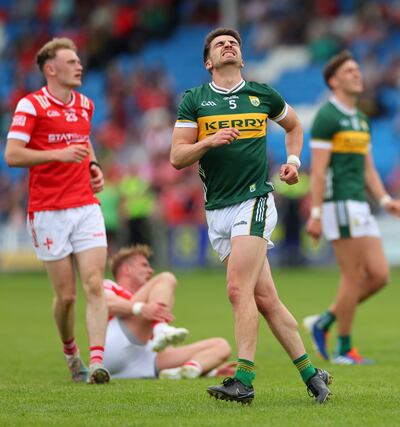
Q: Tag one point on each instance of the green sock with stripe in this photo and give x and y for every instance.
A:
(326, 320)
(343, 345)
(245, 371)
(305, 367)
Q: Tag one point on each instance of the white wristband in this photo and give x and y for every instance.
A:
(293, 160)
(316, 212)
(137, 308)
(384, 200)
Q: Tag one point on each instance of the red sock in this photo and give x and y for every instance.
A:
(96, 354)
(70, 347)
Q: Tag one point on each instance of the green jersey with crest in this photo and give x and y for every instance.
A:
(238, 171)
(346, 133)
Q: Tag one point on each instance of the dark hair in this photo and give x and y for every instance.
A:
(334, 63)
(49, 50)
(219, 32)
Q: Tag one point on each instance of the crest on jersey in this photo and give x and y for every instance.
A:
(255, 100)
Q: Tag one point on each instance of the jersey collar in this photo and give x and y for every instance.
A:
(220, 89)
(58, 101)
(341, 107)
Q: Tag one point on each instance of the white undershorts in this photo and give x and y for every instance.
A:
(124, 356)
(57, 234)
(253, 217)
(348, 218)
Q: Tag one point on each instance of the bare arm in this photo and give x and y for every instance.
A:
(375, 186)
(319, 163)
(118, 306)
(18, 155)
(186, 150)
(152, 311)
(96, 174)
(294, 145)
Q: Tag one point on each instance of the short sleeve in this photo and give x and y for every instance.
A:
(279, 107)
(23, 121)
(186, 116)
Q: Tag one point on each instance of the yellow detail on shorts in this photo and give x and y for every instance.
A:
(250, 125)
(351, 141)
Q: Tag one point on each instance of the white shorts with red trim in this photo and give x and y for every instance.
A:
(125, 356)
(57, 234)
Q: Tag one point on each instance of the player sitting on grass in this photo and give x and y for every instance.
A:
(140, 309)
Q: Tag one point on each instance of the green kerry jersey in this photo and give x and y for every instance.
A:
(346, 133)
(238, 171)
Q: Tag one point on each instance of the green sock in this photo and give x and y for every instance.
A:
(305, 367)
(326, 320)
(343, 345)
(245, 371)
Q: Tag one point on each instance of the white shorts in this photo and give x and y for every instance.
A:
(253, 217)
(124, 356)
(56, 234)
(348, 218)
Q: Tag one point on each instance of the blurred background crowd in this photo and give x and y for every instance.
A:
(140, 56)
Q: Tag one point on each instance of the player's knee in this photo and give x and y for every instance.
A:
(234, 293)
(168, 279)
(93, 285)
(223, 347)
(379, 278)
(66, 300)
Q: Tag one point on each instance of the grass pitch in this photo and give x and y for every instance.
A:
(35, 389)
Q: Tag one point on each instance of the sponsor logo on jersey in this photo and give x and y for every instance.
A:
(254, 100)
(250, 125)
(252, 188)
(68, 138)
(240, 223)
(208, 104)
(53, 113)
(344, 123)
(351, 141)
(227, 98)
(18, 120)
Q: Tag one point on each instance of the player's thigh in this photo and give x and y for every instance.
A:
(351, 255)
(91, 263)
(143, 293)
(174, 357)
(62, 276)
(246, 259)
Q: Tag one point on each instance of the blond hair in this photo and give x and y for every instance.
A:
(50, 49)
(127, 252)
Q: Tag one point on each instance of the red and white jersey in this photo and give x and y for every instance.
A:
(113, 287)
(44, 122)
(110, 286)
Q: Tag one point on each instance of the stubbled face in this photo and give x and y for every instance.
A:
(224, 50)
(348, 78)
(66, 68)
(139, 269)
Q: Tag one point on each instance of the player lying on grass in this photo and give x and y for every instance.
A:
(140, 309)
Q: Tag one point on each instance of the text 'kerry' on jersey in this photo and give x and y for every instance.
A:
(44, 122)
(346, 133)
(238, 171)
